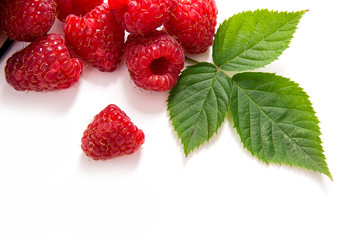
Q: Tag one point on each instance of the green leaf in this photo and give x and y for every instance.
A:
(251, 40)
(276, 121)
(198, 104)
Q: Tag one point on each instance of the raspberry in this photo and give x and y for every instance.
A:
(24, 20)
(193, 24)
(154, 61)
(144, 16)
(76, 7)
(111, 134)
(96, 37)
(44, 65)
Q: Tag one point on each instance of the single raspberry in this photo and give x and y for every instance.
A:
(154, 61)
(24, 20)
(193, 24)
(96, 37)
(111, 134)
(76, 7)
(43, 65)
(144, 16)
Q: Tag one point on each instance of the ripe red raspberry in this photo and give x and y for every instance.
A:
(76, 7)
(96, 37)
(24, 20)
(144, 16)
(154, 61)
(44, 65)
(193, 24)
(111, 134)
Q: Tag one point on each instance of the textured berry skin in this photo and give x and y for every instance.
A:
(76, 7)
(118, 9)
(24, 20)
(154, 61)
(111, 134)
(144, 16)
(193, 24)
(44, 65)
(97, 37)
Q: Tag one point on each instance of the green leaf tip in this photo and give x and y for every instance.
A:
(276, 121)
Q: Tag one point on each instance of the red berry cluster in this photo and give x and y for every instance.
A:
(160, 31)
(154, 57)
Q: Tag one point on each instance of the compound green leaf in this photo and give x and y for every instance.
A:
(198, 104)
(276, 121)
(253, 39)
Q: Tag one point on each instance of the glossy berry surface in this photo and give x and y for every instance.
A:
(44, 65)
(154, 61)
(144, 16)
(97, 37)
(193, 24)
(111, 134)
(76, 7)
(24, 20)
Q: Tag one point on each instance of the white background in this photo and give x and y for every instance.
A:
(50, 190)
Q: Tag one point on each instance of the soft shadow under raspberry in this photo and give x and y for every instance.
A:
(122, 165)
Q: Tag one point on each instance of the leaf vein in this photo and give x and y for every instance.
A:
(191, 96)
(293, 125)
